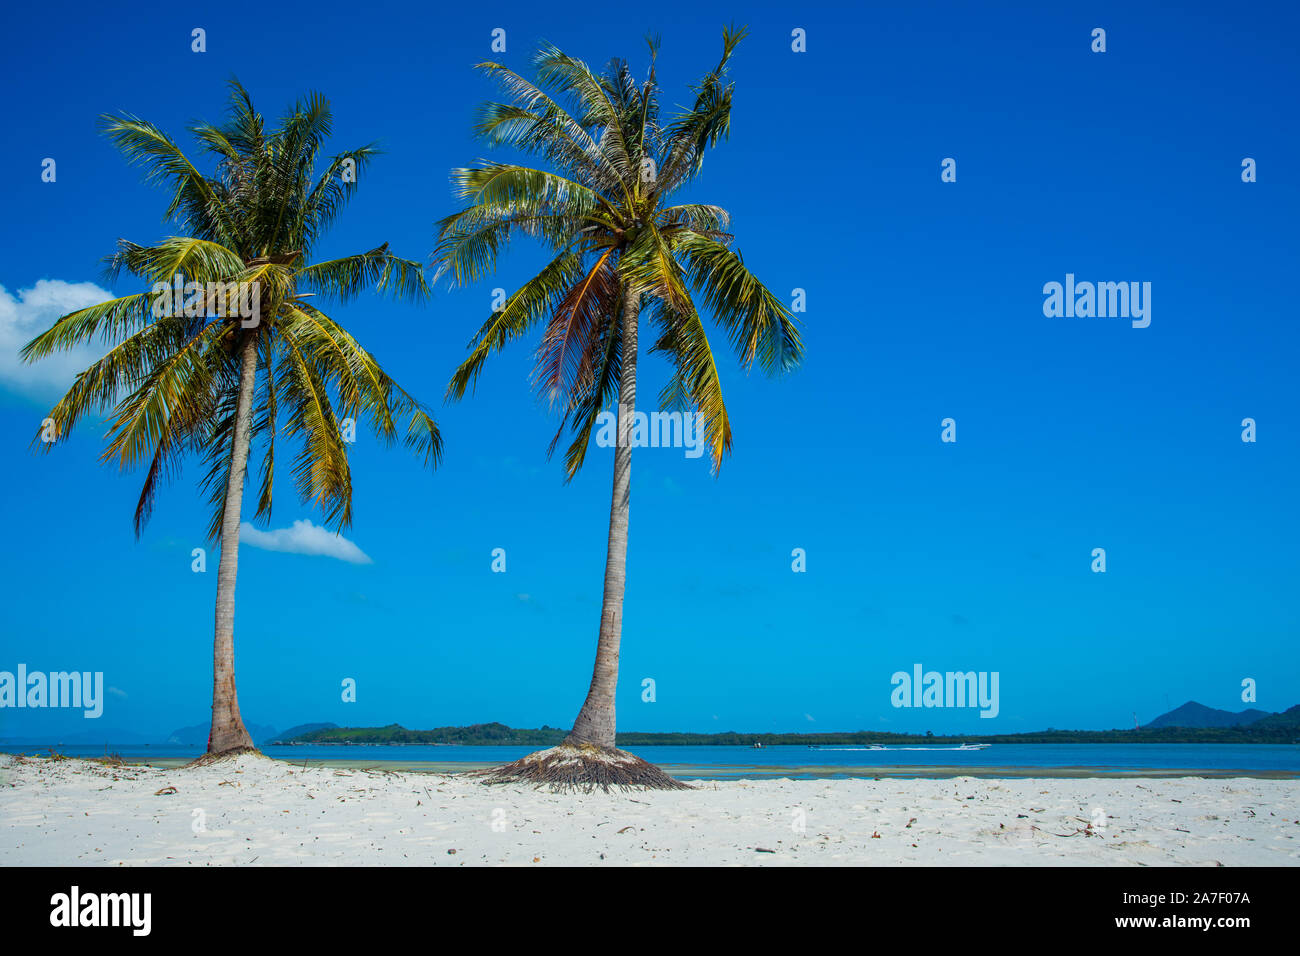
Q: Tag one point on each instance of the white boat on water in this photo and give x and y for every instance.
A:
(974, 746)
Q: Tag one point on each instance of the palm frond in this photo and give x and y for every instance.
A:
(348, 277)
(760, 324)
(534, 300)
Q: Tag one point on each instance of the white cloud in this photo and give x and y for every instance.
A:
(31, 312)
(303, 538)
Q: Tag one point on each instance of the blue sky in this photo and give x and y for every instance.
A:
(924, 302)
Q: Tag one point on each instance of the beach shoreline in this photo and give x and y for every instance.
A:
(759, 771)
(259, 811)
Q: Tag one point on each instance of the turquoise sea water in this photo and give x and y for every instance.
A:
(730, 762)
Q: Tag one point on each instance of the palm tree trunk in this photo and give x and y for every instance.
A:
(595, 723)
(228, 732)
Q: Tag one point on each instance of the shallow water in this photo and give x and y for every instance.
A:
(706, 763)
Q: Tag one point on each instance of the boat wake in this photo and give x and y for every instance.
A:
(961, 747)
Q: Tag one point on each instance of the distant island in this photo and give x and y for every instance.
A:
(1192, 723)
(1192, 714)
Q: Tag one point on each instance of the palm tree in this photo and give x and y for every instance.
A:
(621, 252)
(240, 352)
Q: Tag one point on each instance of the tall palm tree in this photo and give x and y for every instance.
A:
(622, 253)
(206, 372)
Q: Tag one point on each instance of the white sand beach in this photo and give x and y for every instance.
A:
(259, 811)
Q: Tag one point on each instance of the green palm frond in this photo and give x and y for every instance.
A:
(760, 324)
(320, 468)
(707, 123)
(533, 100)
(557, 69)
(198, 259)
(109, 322)
(330, 195)
(96, 389)
(695, 384)
(265, 424)
(164, 164)
(648, 266)
(379, 269)
(362, 386)
(707, 220)
(532, 302)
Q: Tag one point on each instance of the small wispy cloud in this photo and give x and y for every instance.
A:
(303, 538)
(30, 312)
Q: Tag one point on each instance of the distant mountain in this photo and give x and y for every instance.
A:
(1192, 714)
(298, 731)
(197, 736)
(1288, 718)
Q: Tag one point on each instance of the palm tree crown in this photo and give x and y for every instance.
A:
(606, 214)
(254, 221)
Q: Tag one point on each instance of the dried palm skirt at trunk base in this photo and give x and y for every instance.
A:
(583, 767)
(207, 759)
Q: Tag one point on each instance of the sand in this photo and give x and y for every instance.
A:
(259, 811)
